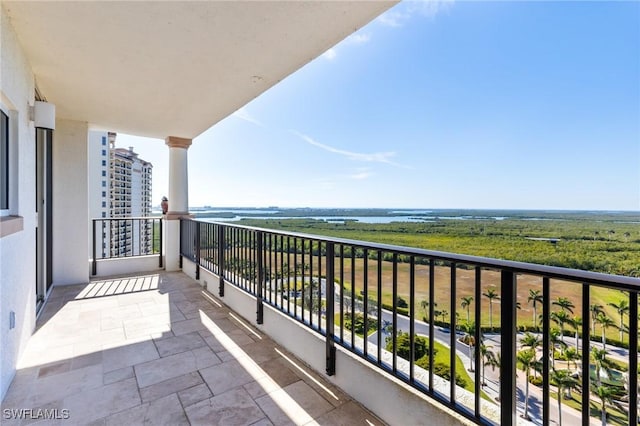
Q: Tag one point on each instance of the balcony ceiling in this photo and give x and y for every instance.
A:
(161, 69)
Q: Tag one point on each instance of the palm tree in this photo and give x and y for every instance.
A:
(488, 358)
(444, 314)
(595, 311)
(572, 355)
(466, 303)
(622, 308)
(565, 304)
(605, 393)
(602, 363)
(530, 340)
(526, 360)
(576, 323)
(560, 318)
(556, 342)
(605, 322)
(424, 304)
(491, 294)
(535, 296)
(469, 331)
(564, 382)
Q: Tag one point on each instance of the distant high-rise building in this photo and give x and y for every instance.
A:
(120, 188)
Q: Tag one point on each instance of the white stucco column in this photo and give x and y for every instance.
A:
(178, 199)
(70, 252)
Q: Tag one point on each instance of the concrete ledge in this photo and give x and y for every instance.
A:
(127, 265)
(387, 397)
(10, 225)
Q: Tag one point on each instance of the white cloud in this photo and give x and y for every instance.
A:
(357, 38)
(329, 54)
(361, 174)
(400, 14)
(243, 114)
(374, 157)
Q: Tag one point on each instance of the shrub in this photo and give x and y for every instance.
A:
(535, 380)
(357, 324)
(403, 346)
(444, 371)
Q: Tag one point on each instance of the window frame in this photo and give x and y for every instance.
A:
(5, 162)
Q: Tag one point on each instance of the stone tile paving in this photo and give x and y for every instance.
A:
(155, 350)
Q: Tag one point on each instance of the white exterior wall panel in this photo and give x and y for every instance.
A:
(17, 251)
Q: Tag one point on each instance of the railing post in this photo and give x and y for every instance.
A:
(197, 250)
(221, 248)
(94, 266)
(260, 278)
(330, 309)
(183, 230)
(507, 348)
(160, 264)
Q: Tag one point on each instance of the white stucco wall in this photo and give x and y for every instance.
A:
(70, 203)
(127, 265)
(17, 251)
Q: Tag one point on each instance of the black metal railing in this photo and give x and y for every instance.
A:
(126, 237)
(398, 308)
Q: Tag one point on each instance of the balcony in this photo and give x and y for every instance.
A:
(158, 348)
(398, 294)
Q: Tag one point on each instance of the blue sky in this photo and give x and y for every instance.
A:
(503, 105)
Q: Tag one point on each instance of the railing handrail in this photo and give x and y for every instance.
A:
(619, 282)
(128, 218)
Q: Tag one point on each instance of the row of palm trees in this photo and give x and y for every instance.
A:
(562, 317)
(566, 380)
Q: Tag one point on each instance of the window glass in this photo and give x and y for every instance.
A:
(4, 161)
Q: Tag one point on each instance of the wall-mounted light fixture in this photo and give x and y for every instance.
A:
(44, 115)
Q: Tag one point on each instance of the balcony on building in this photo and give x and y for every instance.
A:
(208, 320)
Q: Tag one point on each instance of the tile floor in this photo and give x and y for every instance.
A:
(157, 350)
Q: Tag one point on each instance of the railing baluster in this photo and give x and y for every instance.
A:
(365, 301)
(431, 314)
(221, 262)
(586, 389)
(380, 330)
(94, 267)
(507, 348)
(477, 341)
(394, 335)
(329, 321)
(452, 334)
(546, 349)
(353, 296)
(295, 277)
(633, 358)
(260, 280)
(412, 317)
(320, 284)
(197, 250)
(160, 248)
(302, 241)
(341, 293)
